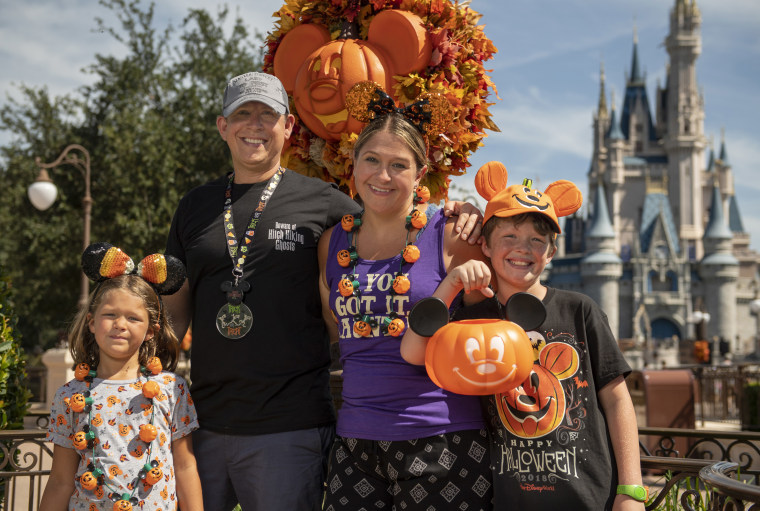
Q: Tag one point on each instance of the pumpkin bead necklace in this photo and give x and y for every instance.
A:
(94, 477)
(349, 286)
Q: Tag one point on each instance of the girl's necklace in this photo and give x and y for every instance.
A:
(94, 478)
(391, 324)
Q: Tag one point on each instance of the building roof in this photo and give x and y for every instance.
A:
(716, 225)
(734, 218)
(657, 208)
(600, 224)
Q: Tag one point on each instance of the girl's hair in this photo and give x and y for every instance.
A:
(540, 223)
(164, 343)
(395, 124)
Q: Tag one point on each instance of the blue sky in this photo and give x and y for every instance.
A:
(546, 72)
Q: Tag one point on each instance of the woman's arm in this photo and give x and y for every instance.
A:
(189, 492)
(323, 249)
(60, 485)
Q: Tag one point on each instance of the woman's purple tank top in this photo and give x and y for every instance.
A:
(385, 397)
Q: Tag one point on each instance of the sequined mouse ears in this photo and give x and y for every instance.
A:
(431, 114)
(165, 273)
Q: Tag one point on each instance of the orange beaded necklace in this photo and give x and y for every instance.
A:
(94, 477)
(349, 286)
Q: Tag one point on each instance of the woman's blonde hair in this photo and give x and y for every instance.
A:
(164, 343)
(395, 124)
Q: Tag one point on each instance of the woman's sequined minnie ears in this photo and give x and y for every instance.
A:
(165, 273)
(431, 114)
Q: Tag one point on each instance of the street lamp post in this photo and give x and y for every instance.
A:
(42, 194)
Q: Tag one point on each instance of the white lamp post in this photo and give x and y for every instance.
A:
(42, 194)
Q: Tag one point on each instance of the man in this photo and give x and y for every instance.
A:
(260, 355)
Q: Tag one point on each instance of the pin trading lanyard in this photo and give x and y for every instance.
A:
(229, 226)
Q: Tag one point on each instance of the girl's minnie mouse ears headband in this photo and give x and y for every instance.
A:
(102, 261)
(431, 114)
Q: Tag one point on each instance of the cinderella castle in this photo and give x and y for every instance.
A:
(662, 247)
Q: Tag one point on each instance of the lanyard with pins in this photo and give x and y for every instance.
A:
(235, 319)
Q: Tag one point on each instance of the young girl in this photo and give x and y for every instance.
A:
(121, 429)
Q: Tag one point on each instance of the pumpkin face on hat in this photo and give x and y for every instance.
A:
(537, 406)
(479, 357)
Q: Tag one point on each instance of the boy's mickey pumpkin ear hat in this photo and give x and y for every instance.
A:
(561, 198)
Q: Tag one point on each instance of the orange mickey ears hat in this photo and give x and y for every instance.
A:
(561, 198)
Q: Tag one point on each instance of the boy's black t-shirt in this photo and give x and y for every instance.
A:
(550, 446)
(276, 377)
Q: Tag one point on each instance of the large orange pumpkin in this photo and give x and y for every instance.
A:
(321, 86)
(479, 356)
(537, 406)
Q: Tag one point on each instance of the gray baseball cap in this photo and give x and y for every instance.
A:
(254, 86)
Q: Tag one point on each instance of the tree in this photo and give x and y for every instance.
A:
(149, 125)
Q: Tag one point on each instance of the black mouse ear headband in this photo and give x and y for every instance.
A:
(431, 114)
(102, 261)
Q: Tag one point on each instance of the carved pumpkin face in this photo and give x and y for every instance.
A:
(323, 81)
(81, 371)
(347, 222)
(151, 389)
(362, 328)
(122, 505)
(344, 258)
(479, 356)
(537, 407)
(396, 327)
(419, 219)
(153, 476)
(423, 194)
(411, 253)
(148, 433)
(77, 402)
(154, 365)
(346, 287)
(124, 429)
(401, 284)
(88, 481)
(80, 440)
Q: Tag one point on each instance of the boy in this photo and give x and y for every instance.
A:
(567, 437)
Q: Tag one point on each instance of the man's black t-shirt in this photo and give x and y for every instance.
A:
(276, 377)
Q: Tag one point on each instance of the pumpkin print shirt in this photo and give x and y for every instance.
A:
(550, 445)
(118, 410)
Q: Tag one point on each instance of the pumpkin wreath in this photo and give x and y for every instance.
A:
(319, 49)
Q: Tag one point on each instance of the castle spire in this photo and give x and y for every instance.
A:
(635, 78)
(602, 110)
(723, 156)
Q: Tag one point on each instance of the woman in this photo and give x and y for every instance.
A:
(402, 441)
